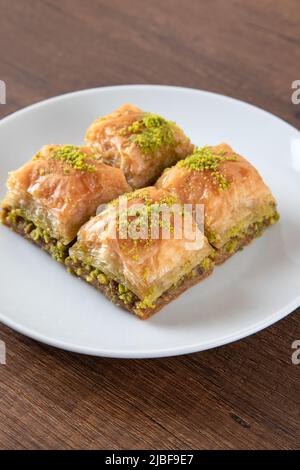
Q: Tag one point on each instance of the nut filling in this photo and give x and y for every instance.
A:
(18, 223)
(242, 239)
(123, 297)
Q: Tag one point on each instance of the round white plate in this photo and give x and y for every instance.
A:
(252, 290)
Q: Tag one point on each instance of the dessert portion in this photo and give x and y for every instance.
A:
(141, 144)
(147, 246)
(238, 205)
(142, 251)
(52, 195)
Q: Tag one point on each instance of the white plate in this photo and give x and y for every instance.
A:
(254, 289)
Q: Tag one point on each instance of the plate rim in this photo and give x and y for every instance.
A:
(68, 94)
(154, 353)
(148, 353)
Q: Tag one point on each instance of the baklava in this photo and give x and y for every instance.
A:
(52, 195)
(134, 254)
(141, 144)
(238, 205)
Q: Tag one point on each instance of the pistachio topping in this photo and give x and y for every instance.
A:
(150, 133)
(148, 218)
(73, 156)
(212, 236)
(206, 158)
(146, 197)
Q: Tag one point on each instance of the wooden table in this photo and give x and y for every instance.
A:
(244, 395)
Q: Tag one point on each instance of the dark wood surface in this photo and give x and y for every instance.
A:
(243, 395)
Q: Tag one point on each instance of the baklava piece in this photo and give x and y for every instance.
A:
(238, 205)
(141, 144)
(52, 195)
(135, 255)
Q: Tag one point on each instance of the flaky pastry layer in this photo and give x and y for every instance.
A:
(147, 267)
(60, 188)
(141, 144)
(232, 191)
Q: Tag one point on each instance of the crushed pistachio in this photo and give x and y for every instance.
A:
(38, 155)
(58, 253)
(271, 216)
(275, 218)
(102, 279)
(238, 232)
(46, 236)
(87, 267)
(94, 274)
(145, 273)
(12, 217)
(121, 289)
(231, 246)
(37, 233)
(144, 194)
(125, 294)
(147, 217)
(212, 237)
(28, 227)
(150, 133)
(206, 158)
(145, 303)
(73, 156)
(206, 264)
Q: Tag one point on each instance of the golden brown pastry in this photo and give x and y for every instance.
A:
(52, 195)
(139, 261)
(141, 144)
(238, 204)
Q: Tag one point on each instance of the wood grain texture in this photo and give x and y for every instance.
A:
(242, 396)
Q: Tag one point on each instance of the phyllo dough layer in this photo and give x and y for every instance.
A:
(52, 195)
(238, 205)
(136, 256)
(141, 144)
